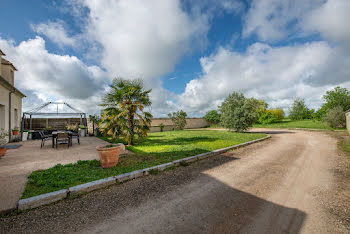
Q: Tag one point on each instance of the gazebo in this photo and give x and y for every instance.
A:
(36, 112)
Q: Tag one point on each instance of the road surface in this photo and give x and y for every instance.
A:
(276, 186)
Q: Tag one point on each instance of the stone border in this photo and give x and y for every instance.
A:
(48, 198)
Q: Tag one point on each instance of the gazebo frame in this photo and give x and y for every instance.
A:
(35, 111)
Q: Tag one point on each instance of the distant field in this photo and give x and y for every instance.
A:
(287, 123)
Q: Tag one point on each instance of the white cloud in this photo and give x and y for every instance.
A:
(56, 32)
(273, 20)
(52, 77)
(276, 74)
(331, 20)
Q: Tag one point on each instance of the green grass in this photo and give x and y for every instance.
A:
(287, 123)
(157, 148)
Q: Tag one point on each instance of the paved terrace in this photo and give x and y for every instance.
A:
(18, 163)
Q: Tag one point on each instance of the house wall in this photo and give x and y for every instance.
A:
(348, 121)
(16, 103)
(6, 73)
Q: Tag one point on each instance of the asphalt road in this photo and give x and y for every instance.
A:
(276, 186)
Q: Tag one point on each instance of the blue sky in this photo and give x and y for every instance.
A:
(191, 53)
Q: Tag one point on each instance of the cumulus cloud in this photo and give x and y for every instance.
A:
(56, 32)
(276, 74)
(331, 21)
(273, 20)
(53, 77)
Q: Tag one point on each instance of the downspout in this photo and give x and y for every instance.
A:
(10, 130)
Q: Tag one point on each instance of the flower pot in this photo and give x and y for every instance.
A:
(82, 132)
(15, 132)
(2, 151)
(108, 156)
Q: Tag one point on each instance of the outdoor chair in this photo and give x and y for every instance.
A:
(44, 138)
(62, 137)
(74, 135)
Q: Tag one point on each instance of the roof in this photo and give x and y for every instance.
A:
(10, 87)
(6, 62)
(2, 53)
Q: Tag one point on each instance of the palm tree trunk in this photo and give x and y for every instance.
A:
(131, 126)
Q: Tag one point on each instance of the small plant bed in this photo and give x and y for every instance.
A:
(287, 123)
(157, 148)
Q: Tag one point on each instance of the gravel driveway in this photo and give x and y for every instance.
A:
(276, 186)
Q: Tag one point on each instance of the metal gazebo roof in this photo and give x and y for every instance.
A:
(36, 111)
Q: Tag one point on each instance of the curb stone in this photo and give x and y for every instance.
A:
(87, 187)
(42, 199)
(52, 197)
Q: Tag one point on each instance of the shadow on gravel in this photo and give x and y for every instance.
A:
(273, 132)
(184, 200)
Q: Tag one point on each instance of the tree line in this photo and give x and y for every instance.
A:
(239, 113)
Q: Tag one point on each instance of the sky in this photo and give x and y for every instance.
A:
(192, 54)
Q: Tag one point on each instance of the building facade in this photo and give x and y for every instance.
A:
(10, 97)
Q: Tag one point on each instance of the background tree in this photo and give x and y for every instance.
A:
(213, 117)
(299, 110)
(179, 119)
(237, 112)
(279, 113)
(129, 99)
(336, 118)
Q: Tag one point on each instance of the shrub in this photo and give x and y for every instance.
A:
(3, 137)
(212, 117)
(161, 126)
(267, 117)
(179, 119)
(299, 110)
(336, 118)
(279, 114)
(237, 112)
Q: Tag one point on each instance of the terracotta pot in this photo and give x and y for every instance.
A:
(108, 156)
(15, 132)
(2, 151)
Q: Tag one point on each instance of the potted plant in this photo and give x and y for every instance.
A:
(109, 155)
(3, 141)
(15, 131)
(82, 130)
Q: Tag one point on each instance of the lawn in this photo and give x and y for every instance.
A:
(157, 148)
(287, 123)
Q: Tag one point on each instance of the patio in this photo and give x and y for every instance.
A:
(18, 163)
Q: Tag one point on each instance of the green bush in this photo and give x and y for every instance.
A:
(212, 117)
(336, 118)
(237, 112)
(267, 117)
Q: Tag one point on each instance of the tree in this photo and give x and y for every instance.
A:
(128, 98)
(111, 122)
(339, 97)
(179, 119)
(279, 113)
(299, 110)
(335, 117)
(237, 112)
(212, 117)
(260, 108)
(94, 119)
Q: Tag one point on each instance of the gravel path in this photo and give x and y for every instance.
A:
(276, 186)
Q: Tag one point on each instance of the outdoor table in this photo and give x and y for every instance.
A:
(54, 135)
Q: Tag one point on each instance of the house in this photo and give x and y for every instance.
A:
(10, 97)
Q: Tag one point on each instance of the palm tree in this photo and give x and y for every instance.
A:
(129, 99)
(94, 119)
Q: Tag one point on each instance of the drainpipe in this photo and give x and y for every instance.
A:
(10, 130)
